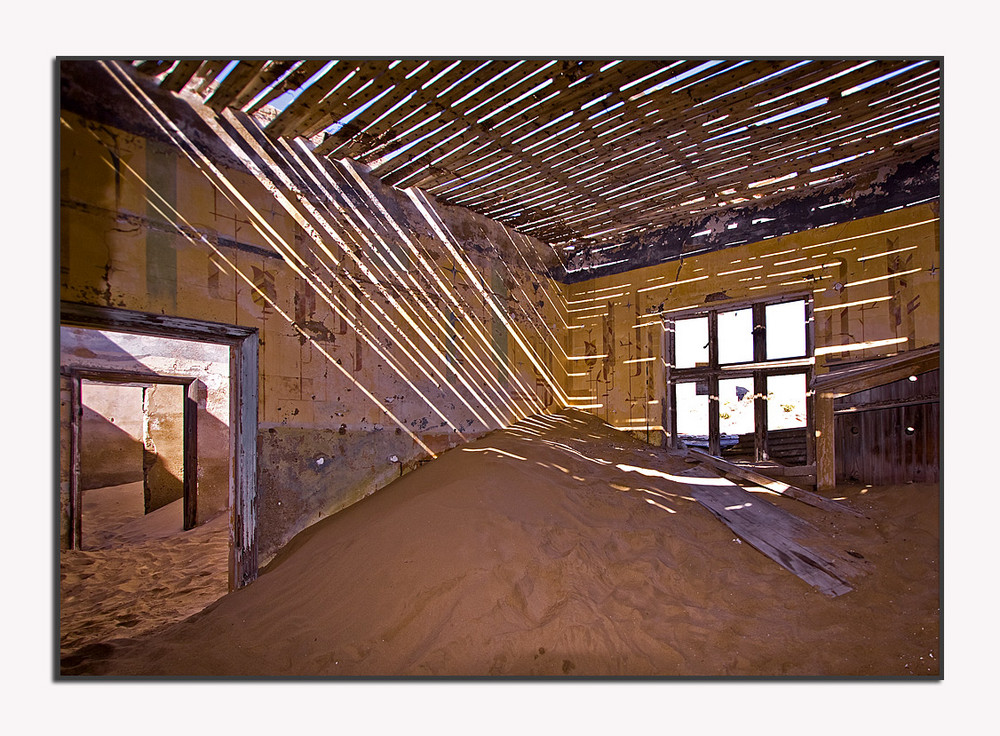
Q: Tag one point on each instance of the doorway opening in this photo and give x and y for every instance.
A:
(157, 513)
(138, 459)
(235, 492)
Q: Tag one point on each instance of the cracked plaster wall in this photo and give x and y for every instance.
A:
(351, 391)
(873, 280)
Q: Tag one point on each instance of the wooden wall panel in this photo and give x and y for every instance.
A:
(890, 434)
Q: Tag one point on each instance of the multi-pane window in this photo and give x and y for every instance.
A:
(738, 380)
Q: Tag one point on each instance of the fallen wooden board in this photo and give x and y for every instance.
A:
(774, 532)
(799, 494)
(784, 470)
(802, 479)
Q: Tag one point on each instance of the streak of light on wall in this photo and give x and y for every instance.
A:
(329, 262)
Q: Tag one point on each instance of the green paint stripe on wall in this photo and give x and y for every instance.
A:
(499, 328)
(161, 256)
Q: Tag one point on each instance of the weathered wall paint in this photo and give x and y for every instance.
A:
(161, 257)
(380, 312)
(163, 442)
(111, 435)
(875, 283)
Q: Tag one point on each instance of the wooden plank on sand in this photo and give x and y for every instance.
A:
(773, 532)
(780, 487)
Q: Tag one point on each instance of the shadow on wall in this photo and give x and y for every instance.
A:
(110, 455)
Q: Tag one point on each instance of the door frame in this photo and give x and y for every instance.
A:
(243, 403)
(190, 439)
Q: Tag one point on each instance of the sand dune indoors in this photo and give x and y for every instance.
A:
(543, 550)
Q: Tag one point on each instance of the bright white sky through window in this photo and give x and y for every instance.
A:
(786, 335)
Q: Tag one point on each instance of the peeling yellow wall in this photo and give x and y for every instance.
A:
(875, 283)
(391, 327)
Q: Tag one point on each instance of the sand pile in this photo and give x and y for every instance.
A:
(541, 550)
(137, 572)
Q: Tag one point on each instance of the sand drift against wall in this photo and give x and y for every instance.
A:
(539, 550)
(137, 572)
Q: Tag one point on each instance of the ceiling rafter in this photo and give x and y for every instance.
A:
(583, 153)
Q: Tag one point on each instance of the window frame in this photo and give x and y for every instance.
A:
(759, 368)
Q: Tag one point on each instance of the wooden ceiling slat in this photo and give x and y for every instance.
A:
(668, 103)
(302, 106)
(610, 85)
(339, 82)
(424, 121)
(477, 168)
(834, 132)
(404, 175)
(299, 76)
(405, 165)
(875, 132)
(741, 182)
(448, 107)
(180, 75)
(756, 144)
(444, 102)
(778, 167)
(367, 130)
(571, 81)
(476, 155)
(234, 83)
(917, 84)
(739, 81)
(549, 164)
(546, 211)
(208, 71)
(742, 108)
(381, 138)
(454, 111)
(749, 106)
(571, 96)
(446, 180)
(394, 78)
(855, 104)
(500, 176)
(413, 161)
(519, 184)
(260, 81)
(919, 98)
(866, 165)
(371, 76)
(801, 184)
(152, 67)
(521, 77)
(527, 204)
(453, 131)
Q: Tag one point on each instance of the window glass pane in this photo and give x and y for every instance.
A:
(736, 406)
(736, 336)
(691, 342)
(692, 410)
(786, 330)
(786, 401)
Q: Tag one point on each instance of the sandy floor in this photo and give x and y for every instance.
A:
(137, 572)
(541, 550)
(116, 515)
